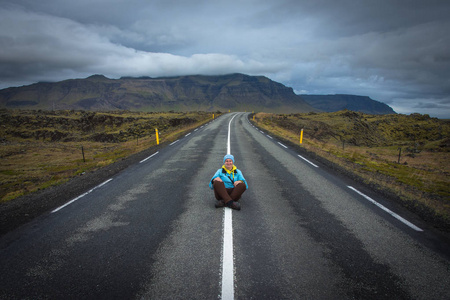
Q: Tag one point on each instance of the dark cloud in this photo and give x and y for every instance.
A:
(394, 51)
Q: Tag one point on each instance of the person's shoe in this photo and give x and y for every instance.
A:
(234, 205)
(220, 203)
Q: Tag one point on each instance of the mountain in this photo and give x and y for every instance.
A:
(332, 103)
(236, 92)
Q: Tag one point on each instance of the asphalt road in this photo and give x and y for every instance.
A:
(152, 232)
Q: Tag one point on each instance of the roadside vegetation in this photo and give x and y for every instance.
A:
(39, 149)
(407, 157)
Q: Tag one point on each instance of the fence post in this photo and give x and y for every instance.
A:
(82, 152)
(399, 154)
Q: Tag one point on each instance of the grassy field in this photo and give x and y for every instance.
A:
(405, 156)
(39, 149)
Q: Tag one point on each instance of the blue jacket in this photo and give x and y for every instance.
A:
(228, 178)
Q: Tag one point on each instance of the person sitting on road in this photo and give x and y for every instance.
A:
(228, 184)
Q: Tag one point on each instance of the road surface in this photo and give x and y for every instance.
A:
(152, 232)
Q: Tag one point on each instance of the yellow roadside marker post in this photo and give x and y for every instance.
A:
(301, 136)
(157, 136)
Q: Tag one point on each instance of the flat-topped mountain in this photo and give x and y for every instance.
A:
(236, 92)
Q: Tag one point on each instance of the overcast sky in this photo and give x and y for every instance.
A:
(394, 51)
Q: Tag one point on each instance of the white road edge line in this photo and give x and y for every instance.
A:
(188, 134)
(308, 161)
(227, 249)
(173, 143)
(411, 225)
(149, 157)
(282, 145)
(81, 196)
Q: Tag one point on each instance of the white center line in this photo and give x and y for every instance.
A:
(228, 261)
(387, 210)
(229, 134)
(227, 249)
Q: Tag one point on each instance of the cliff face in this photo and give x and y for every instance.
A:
(332, 103)
(207, 93)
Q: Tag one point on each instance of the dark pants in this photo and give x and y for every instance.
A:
(225, 194)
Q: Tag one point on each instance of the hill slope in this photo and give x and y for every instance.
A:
(184, 93)
(332, 103)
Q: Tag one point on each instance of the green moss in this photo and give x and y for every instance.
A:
(10, 172)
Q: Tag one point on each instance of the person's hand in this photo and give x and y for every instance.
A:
(218, 179)
(237, 182)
